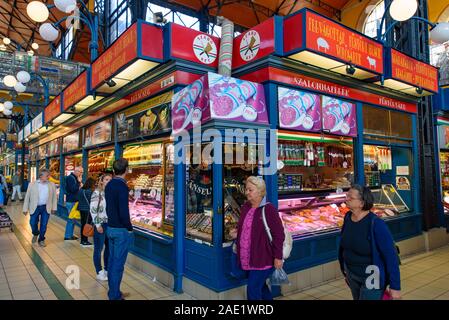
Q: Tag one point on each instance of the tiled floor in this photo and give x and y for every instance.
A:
(423, 277)
(29, 272)
(21, 273)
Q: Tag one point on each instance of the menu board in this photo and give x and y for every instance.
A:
(54, 147)
(147, 118)
(98, 133)
(42, 151)
(71, 142)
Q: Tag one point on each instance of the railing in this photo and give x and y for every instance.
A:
(58, 73)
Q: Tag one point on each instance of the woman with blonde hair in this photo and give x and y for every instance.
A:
(100, 220)
(256, 254)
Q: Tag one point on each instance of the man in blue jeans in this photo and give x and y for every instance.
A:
(119, 230)
(72, 187)
(40, 201)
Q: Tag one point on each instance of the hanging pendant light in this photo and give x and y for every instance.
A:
(9, 81)
(23, 76)
(37, 11)
(402, 10)
(48, 32)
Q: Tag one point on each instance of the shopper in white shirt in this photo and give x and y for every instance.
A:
(40, 201)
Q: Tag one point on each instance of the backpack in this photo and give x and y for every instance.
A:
(288, 240)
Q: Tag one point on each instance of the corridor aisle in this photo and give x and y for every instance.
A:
(31, 272)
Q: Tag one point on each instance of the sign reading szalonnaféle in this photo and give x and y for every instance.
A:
(414, 72)
(116, 56)
(71, 142)
(146, 118)
(325, 36)
(326, 87)
(52, 110)
(76, 91)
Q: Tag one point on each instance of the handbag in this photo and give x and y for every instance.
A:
(236, 271)
(75, 213)
(88, 229)
(288, 240)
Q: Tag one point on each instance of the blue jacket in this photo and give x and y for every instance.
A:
(84, 200)
(117, 208)
(384, 254)
(72, 187)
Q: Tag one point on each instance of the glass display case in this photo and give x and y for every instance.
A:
(244, 163)
(310, 215)
(55, 165)
(151, 184)
(199, 202)
(314, 163)
(100, 162)
(388, 202)
(71, 162)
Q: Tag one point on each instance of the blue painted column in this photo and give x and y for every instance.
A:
(61, 178)
(179, 221)
(415, 179)
(271, 180)
(85, 163)
(359, 168)
(118, 148)
(438, 173)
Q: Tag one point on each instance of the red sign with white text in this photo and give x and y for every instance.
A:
(52, 110)
(116, 56)
(325, 36)
(76, 91)
(152, 41)
(195, 46)
(299, 80)
(413, 72)
(254, 44)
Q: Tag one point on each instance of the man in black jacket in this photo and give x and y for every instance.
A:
(72, 187)
(119, 230)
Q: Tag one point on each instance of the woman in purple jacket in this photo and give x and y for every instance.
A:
(254, 251)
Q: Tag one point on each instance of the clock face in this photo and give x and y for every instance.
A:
(249, 46)
(205, 49)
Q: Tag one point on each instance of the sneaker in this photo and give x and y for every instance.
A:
(86, 244)
(42, 244)
(34, 239)
(125, 295)
(72, 238)
(101, 276)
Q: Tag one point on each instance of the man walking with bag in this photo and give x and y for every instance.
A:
(72, 187)
(119, 230)
(16, 186)
(40, 201)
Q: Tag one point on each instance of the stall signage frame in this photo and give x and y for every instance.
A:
(37, 122)
(192, 45)
(98, 133)
(76, 91)
(258, 42)
(133, 44)
(69, 144)
(286, 77)
(27, 130)
(53, 109)
(406, 69)
(145, 118)
(327, 38)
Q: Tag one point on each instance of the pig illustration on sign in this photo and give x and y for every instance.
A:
(322, 44)
(372, 62)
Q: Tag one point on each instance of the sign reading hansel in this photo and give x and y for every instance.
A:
(116, 56)
(147, 118)
(413, 72)
(76, 91)
(216, 97)
(192, 45)
(328, 38)
(71, 142)
(98, 133)
(52, 110)
(309, 83)
(299, 110)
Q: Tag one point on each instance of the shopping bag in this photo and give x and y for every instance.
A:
(279, 277)
(236, 271)
(75, 213)
(387, 295)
